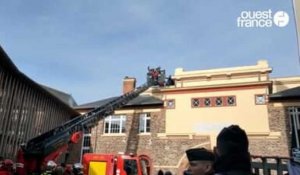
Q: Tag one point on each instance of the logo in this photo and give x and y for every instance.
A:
(262, 19)
(281, 19)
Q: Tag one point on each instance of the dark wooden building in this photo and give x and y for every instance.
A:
(27, 109)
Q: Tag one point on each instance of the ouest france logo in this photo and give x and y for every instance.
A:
(262, 19)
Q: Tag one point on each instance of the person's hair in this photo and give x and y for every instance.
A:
(168, 173)
(232, 139)
(232, 150)
(160, 172)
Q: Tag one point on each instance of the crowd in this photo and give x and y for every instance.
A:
(53, 169)
(230, 157)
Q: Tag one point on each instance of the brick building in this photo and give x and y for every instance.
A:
(164, 122)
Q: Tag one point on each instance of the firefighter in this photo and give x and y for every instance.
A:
(170, 81)
(200, 161)
(59, 170)
(7, 167)
(50, 167)
(154, 73)
(77, 169)
(68, 170)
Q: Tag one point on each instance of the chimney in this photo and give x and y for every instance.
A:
(128, 84)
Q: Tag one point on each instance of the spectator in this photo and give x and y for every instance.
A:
(59, 170)
(168, 173)
(160, 172)
(68, 170)
(232, 155)
(77, 169)
(200, 161)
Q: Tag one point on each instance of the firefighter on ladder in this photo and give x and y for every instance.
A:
(155, 73)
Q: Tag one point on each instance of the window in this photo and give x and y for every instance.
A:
(219, 101)
(86, 147)
(144, 126)
(260, 99)
(195, 102)
(170, 104)
(86, 143)
(231, 101)
(207, 102)
(130, 167)
(115, 124)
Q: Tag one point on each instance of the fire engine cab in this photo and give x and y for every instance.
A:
(120, 164)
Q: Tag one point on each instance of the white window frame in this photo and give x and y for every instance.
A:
(85, 137)
(146, 118)
(87, 134)
(110, 119)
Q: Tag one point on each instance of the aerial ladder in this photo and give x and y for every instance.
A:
(33, 156)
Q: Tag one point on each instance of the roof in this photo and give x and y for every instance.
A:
(95, 103)
(293, 93)
(66, 98)
(261, 66)
(6, 62)
(9, 66)
(142, 100)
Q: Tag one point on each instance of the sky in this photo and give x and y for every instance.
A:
(86, 47)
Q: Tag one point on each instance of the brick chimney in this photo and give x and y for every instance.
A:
(128, 84)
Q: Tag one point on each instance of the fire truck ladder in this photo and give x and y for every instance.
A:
(50, 141)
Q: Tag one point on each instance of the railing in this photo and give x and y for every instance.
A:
(269, 165)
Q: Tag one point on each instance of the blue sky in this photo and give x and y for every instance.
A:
(87, 47)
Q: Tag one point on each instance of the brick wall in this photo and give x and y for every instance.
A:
(280, 146)
(168, 152)
(165, 152)
(128, 84)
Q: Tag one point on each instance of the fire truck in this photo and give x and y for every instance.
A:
(120, 164)
(33, 156)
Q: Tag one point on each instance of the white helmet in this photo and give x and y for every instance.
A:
(77, 166)
(51, 164)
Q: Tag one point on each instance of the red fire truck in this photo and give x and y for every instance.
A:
(120, 164)
(34, 155)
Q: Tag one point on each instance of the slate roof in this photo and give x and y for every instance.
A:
(142, 100)
(66, 98)
(289, 94)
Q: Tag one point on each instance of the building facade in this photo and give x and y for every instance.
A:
(172, 119)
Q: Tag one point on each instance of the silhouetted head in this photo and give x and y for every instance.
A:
(232, 139)
(200, 161)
